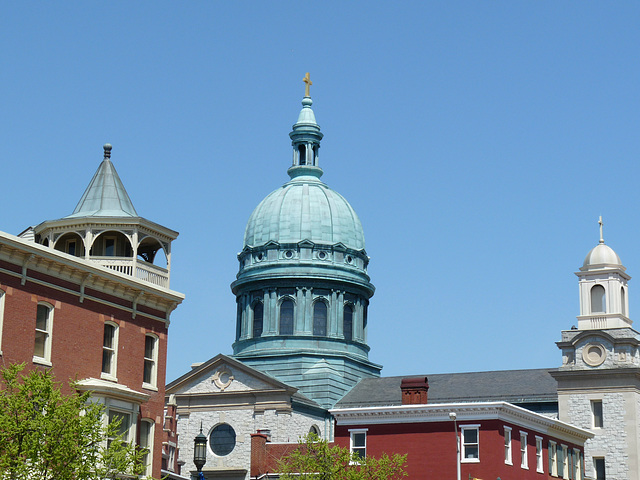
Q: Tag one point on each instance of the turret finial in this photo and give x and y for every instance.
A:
(107, 150)
(308, 83)
(600, 223)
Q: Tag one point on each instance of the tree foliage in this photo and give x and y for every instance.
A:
(47, 435)
(316, 459)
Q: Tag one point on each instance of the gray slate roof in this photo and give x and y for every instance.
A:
(514, 386)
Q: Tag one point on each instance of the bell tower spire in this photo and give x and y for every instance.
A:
(603, 289)
(305, 139)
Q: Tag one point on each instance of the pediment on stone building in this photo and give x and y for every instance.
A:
(225, 375)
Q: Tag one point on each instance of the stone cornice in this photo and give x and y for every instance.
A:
(466, 412)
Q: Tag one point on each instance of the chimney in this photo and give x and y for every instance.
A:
(414, 390)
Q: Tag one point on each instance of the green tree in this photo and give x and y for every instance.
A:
(315, 459)
(47, 435)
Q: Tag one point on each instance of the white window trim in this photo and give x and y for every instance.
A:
(524, 452)
(508, 442)
(462, 449)
(565, 462)
(153, 385)
(553, 447)
(46, 360)
(114, 359)
(352, 432)
(149, 464)
(577, 467)
(539, 455)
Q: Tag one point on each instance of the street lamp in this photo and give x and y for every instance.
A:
(453, 416)
(200, 452)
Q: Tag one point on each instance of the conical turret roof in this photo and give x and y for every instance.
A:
(105, 196)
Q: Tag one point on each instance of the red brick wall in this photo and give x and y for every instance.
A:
(431, 449)
(77, 338)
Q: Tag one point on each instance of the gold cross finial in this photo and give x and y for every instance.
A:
(308, 83)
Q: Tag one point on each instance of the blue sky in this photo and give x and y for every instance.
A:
(478, 142)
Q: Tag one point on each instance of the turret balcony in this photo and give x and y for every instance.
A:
(139, 269)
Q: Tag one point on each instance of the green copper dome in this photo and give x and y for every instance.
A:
(304, 209)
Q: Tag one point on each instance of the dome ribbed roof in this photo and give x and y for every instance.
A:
(304, 209)
(601, 256)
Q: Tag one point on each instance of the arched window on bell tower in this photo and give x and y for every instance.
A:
(302, 155)
(623, 302)
(598, 299)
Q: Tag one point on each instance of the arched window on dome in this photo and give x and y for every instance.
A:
(598, 301)
(347, 323)
(239, 319)
(302, 155)
(320, 319)
(623, 301)
(315, 155)
(257, 319)
(286, 317)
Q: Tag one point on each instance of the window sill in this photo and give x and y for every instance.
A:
(524, 467)
(106, 376)
(148, 386)
(42, 361)
(469, 460)
(508, 463)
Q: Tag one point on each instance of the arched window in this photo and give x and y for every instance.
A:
(286, 317)
(598, 303)
(302, 153)
(623, 301)
(315, 430)
(257, 319)
(320, 319)
(347, 323)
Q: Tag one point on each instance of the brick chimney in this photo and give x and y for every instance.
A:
(258, 454)
(414, 390)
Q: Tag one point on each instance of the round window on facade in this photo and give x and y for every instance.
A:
(259, 257)
(288, 254)
(322, 255)
(349, 259)
(222, 440)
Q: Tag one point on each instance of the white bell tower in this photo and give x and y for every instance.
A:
(604, 301)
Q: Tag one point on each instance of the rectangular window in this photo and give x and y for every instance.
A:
(599, 471)
(577, 472)
(146, 442)
(507, 446)
(110, 246)
(124, 425)
(553, 459)
(565, 462)
(150, 359)
(71, 247)
(109, 350)
(470, 443)
(539, 459)
(42, 344)
(596, 410)
(359, 443)
(524, 461)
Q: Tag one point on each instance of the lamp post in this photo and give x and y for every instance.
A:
(453, 416)
(200, 452)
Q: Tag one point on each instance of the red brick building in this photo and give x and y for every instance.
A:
(82, 296)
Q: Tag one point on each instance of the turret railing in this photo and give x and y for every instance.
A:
(139, 269)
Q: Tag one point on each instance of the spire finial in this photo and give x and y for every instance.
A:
(600, 223)
(107, 150)
(308, 83)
